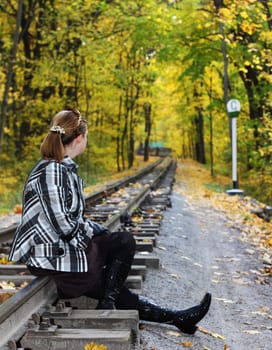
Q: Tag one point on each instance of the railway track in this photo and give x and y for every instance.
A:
(33, 317)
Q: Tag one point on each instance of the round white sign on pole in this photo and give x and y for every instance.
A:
(233, 107)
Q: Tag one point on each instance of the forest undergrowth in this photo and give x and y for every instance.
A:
(11, 190)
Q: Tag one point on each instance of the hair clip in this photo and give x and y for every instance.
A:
(76, 111)
(58, 129)
(79, 120)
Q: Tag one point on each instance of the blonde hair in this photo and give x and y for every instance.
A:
(65, 127)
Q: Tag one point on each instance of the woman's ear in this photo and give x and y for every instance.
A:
(79, 138)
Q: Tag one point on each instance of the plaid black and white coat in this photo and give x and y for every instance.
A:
(53, 234)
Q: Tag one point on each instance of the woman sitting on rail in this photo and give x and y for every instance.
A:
(83, 257)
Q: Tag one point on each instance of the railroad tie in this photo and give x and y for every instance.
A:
(73, 323)
(76, 338)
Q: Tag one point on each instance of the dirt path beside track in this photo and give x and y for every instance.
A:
(201, 251)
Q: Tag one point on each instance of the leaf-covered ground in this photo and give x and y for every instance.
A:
(240, 210)
(211, 241)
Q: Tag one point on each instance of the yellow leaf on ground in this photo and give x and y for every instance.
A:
(95, 346)
(269, 241)
(5, 296)
(214, 335)
(5, 261)
(186, 344)
(18, 209)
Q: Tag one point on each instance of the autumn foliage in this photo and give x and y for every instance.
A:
(95, 346)
(240, 211)
(143, 71)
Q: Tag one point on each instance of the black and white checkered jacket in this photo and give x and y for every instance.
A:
(53, 234)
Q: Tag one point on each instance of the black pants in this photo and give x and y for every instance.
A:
(102, 251)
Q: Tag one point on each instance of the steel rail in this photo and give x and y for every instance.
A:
(6, 233)
(109, 188)
(16, 311)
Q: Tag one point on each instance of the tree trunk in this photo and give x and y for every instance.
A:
(218, 4)
(131, 130)
(147, 114)
(200, 145)
(118, 146)
(124, 133)
(11, 64)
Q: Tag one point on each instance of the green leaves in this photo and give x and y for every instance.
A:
(108, 58)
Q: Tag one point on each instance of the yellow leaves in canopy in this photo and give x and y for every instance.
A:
(243, 69)
(248, 28)
(266, 76)
(94, 346)
(267, 37)
(244, 14)
(226, 14)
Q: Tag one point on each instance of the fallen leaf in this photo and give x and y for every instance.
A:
(251, 331)
(261, 280)
(141, 326)
(269, 241)
(240, 281)
(219, 273)
(24, 284)
(173, 333)
(185, 257)
(250, 251)
(265, 308)
(186, 344)
(255, 272)
(95, 346)
(212, 334)
(227, 301)
(7, 285)
(215, 267)
(197, 264)
(6, 295)
(18, 209)
(5, 261)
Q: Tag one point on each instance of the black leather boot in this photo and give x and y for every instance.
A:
(184, 320)
(115, 279)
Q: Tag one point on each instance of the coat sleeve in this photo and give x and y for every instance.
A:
(98, 228)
